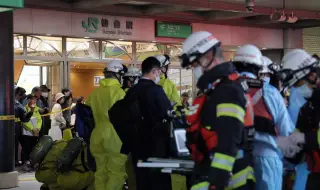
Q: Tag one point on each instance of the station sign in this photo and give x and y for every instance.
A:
(172, 30)
(112, 27)
(6, 5)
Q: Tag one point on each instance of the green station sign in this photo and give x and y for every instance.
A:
(6, 5)
(172, 30)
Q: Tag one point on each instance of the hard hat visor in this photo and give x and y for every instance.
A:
(290, 77)
(200, 48)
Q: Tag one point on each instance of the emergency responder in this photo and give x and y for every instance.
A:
(265, 73)
(271, 119)
(306, 137)
(168, 86)
(79, 178)
(130, 78)
(178, 181)
(222, 117)
(22, 115)
(153, 138)
(105, 144)
(299, 72)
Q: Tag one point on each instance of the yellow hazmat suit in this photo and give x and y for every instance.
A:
(170, 89)
(178, 181)
(105, 143)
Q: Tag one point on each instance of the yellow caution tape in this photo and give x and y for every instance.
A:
(7, 117)
(44, 115)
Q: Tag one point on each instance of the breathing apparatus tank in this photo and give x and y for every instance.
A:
(40, 151)
(69, 154)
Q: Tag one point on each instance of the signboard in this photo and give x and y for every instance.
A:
(12, 3)
(8, 5)
(100, 26)
(96, 81)
(171, 30)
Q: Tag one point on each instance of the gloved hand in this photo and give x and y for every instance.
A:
(288, 147)
(203, 186)
(297, 138)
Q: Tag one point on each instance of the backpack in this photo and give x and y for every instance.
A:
(125, 116)
(201, 140)
(84, 126)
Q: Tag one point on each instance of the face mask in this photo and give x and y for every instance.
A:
(157, 79)
(45, 94)
(33, 105)
(67, 94)
(305, 90)
(266, 79)
(197, 72)
(135, 82)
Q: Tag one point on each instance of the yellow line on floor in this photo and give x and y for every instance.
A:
(28, 179)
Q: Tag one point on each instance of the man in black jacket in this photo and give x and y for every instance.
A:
(153, 137)
(21, 116)
(46, 122)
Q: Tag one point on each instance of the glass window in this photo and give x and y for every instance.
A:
(186, 82)
(44, 46)
(44, 75)
(144, 50)
(117, 49)
(29, 78)
(82, 48)
(174, 51)
(18, 44)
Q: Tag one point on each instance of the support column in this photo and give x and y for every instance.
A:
(8, 178)
(292, 39)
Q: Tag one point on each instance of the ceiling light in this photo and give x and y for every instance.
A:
(86, 37)
(154, 41)
(121, 39)
(264, 48)
(239, 46)
(48, 34)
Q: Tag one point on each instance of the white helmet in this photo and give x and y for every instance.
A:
(266, 63)
(197, 44)
(133, 72)
(249, 54)
(115, 66)
(163, 59)
(297, 64)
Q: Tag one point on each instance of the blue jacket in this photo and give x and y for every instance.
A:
(296, 101)
(265, 144)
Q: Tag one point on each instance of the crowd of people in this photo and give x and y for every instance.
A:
(251, 122)
(36, 118)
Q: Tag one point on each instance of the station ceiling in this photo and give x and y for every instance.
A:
(228, 12)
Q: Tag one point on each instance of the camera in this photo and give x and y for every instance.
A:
(250, 5)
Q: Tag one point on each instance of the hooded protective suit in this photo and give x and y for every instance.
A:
(170, 89)
(77, 179)
(105, 143)
(267, 157)
(296, 101)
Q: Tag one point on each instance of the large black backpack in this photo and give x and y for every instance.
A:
(125, 116)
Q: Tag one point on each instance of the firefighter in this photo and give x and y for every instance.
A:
(270, 119)
(220, 161)
(300, 76)
(105, 144)
(130, 78)
(45, 155)
(168, 86)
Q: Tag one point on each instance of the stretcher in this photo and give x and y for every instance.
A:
(172, 166)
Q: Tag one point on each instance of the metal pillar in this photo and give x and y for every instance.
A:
(7, 160)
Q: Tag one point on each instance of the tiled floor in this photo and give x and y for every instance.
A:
(27, 182)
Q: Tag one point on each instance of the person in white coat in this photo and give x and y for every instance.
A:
(57, 120)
